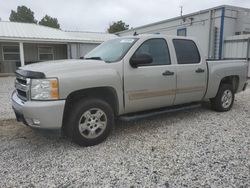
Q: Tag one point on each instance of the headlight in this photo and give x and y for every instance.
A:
(44, 89)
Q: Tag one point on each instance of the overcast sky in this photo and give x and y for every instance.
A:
(96, 15)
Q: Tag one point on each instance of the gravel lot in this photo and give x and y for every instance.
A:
(195, 148)
(6, 88)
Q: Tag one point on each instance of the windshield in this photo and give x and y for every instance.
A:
(111, 50)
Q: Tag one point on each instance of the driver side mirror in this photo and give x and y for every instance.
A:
(140, 59)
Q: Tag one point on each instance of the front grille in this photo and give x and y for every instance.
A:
(22, 94)
(22, 87)
(22, 81)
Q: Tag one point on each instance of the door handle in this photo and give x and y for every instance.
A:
(168, 73)
(199, 70)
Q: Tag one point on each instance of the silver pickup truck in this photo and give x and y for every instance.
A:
(126, 77)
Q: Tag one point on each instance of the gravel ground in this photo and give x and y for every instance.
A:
(195, 148)
(6, 88)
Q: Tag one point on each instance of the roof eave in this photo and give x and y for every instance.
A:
(18, 39)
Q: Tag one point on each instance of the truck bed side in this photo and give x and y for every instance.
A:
(218, 70)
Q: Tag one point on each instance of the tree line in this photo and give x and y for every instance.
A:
(26, 15)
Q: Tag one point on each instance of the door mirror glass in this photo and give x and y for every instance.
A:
(140, 59)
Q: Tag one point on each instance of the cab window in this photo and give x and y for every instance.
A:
(186, 51)
(157, 49)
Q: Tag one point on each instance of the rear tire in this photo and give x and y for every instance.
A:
(224, 99)
(90, 121)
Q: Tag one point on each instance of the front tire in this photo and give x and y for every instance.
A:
(90, 122)
(224, 99)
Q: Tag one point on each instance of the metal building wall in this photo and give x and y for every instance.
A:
(78, 50)
(85, 48)
(238, 47)
(235, 49)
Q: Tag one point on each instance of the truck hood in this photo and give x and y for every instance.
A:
(54, 68)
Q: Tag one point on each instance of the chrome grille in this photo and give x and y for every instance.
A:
(22, 87)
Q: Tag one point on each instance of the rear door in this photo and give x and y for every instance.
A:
(153, 85)
(191, 72)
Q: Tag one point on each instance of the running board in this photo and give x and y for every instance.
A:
(151, 113)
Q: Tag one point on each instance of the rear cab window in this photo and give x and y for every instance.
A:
(186, 51)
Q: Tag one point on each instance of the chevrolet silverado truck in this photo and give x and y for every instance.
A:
(124, 77)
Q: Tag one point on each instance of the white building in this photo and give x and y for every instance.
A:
(209, 26)
(25, 43)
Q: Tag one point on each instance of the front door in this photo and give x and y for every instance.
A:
(153, 85)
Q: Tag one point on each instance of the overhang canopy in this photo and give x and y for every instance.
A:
(14, 31)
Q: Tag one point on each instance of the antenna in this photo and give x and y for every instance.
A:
(181, 7)
(183, 19)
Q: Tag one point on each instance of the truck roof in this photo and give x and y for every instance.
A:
(158, 36)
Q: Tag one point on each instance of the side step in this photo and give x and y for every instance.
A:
(151, 113)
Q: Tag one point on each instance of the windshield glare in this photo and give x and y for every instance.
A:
(111, 50)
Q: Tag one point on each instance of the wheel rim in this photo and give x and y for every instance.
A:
(92, 123)
(227, 99)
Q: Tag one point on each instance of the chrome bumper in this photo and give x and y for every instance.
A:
(39, 114)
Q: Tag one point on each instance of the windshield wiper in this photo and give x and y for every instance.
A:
(95, 58)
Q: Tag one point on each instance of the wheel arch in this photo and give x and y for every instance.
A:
(216, 81)
(232, 80)
(108, 94)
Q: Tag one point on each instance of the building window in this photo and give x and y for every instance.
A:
(182, 32)
(45, 53)
(11, 53)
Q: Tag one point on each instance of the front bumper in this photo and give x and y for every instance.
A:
(39, 114)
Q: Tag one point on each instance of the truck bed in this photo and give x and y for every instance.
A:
(218, 69)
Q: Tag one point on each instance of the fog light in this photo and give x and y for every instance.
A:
(36, 122)
(29, 121)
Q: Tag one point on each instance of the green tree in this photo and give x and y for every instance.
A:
(50, 22)
(117, 26)
(23, 14)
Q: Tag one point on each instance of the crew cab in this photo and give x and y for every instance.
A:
(124, 77)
